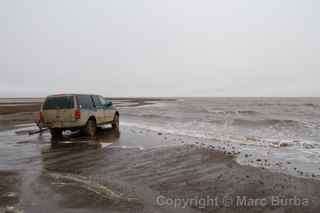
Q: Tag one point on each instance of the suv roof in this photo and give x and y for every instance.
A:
(70, 94)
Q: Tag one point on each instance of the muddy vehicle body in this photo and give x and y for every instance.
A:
(77, 112)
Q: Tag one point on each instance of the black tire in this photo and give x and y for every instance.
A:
(56, 132)
(91, 128)
(115, 123)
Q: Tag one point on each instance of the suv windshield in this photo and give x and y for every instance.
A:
(65, 102)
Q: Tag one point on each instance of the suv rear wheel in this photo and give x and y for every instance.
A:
(91, 127)
(56, 132)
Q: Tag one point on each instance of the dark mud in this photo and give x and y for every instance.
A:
(138, 172)
(9, 188)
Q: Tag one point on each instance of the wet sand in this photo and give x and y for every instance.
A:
(138, 171)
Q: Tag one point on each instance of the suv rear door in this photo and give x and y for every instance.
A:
(59, 109)
(100, 115)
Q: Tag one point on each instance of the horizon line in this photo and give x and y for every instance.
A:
(173, 97)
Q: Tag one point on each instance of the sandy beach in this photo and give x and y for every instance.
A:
(141, 171)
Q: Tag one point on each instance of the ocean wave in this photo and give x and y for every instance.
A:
(248, 112)
(148, 115)
(166, 130)
(230, 138)
(235, 112)
(312, 105)
(267, 122)
(289, 105)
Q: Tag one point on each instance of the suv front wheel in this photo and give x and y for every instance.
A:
(91, 127)
(115, 122)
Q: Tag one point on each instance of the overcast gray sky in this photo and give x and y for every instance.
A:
(160, 47)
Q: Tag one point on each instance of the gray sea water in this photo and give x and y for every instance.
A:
(280, 129)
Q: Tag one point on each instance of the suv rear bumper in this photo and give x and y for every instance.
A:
(64, 125)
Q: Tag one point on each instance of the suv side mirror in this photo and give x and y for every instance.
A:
(108, 104)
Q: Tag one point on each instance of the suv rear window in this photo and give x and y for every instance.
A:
(65, 102)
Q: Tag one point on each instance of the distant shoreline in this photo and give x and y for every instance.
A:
(19, 105)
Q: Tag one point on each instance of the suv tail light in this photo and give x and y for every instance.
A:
(77, 114)
(40, 116)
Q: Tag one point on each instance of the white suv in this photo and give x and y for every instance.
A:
(77, 111)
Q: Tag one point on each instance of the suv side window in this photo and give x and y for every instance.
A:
(85, 102)
(102, 100)
(97, 101)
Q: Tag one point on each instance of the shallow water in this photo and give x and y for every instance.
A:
(49, 174)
